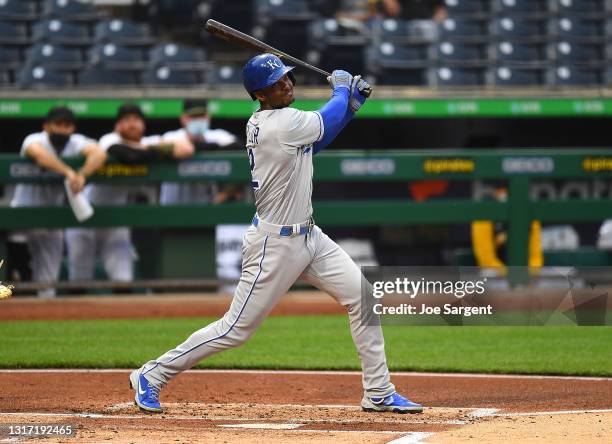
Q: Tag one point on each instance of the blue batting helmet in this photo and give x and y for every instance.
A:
(264, 70)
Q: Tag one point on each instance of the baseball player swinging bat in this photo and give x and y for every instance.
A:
(232, 35)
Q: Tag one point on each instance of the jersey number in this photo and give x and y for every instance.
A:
(251, 159)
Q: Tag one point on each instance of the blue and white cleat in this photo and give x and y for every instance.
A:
(147, 395)
(392, 403)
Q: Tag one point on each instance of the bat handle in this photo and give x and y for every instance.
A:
(366, 92)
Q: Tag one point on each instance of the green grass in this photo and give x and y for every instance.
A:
(312, 342)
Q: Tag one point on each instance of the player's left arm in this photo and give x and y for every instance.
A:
(334, 108)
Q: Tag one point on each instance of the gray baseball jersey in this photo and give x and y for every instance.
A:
(33, 195)
(196, 192)
(46, 246)
(279, 146)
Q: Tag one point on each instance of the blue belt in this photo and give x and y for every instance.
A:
(287, 230)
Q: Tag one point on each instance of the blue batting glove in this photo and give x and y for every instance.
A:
(357, 99)
(340, 79)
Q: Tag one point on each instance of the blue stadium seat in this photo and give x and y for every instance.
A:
(447, 76)
(391, 30)
(41, 76)
(520, 7)
(124, 32)
(467, 7)
(569, 52)
(512, 76)
(513, 28)
(5, 78)
(574, 76)
(458, 53)
(166, 76)
(117, 57)
(579, 7)
(25, 10)
(283, 24)
(13, 33)
(98, 75)
(511, 52)
(333, 46)
(237, 14)
(10, 57)
(397, 63)
(174, 54)
(55, 56)
(70, 10)
(573, 28)
(61, 32)
(281, 8)
(463, 30)
(228, 74)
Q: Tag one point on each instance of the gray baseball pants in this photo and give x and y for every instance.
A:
(271, 264)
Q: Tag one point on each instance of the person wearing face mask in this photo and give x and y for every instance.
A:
(195, 129)
(126, 144)
(58, 138)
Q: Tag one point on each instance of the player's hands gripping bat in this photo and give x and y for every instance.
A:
(236, 37)
(357, 98)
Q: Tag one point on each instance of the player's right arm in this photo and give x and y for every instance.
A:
(51, 162)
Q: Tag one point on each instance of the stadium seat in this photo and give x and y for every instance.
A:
(10, 57)
(283, 24)
(569, 52)
(99, 75)
(25, 10)
(124, 32)
(335, 46)
(512, 28)
(574, 76)
(55, 56)
(391, 30)
(60, 32)
(466, 7)
(5, 78)
(40, 76)
(166, 76)
(520, 7)
(573, 28)
(511, 52)
(455, 53)
(70, 10)
(463, 30)
(281, 8)
(447, 76)
(228, 74)
(512, 76)
(13, 33)
(237, 14)
(114, 56)
(397, 63)
(174, 54)
(579, 7)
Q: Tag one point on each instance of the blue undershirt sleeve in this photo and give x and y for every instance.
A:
(335, 114)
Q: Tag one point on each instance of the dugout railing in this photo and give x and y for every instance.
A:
(517, 168)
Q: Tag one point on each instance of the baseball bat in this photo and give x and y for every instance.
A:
(234, 36)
